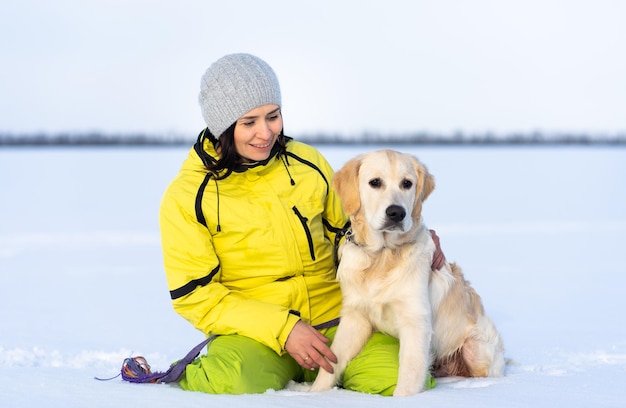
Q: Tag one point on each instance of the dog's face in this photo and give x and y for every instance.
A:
(384, 190)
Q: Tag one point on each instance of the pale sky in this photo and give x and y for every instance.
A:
(344, 66)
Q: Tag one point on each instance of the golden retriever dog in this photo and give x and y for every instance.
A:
(388, 286)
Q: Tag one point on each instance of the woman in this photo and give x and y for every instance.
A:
(249, 232)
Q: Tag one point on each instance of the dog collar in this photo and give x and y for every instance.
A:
(350, 237)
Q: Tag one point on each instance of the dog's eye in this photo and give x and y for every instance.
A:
(406, 184)
(376, 182)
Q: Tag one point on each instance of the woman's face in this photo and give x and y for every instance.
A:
(257, 131)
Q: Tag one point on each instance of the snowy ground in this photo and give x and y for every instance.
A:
(538, 231)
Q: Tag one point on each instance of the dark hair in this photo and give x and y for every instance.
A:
(229, 158)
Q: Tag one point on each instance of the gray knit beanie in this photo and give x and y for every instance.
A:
(234, 85)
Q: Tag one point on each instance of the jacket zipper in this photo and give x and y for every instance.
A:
(307, 231)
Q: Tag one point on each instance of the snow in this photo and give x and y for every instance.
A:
(539, 232)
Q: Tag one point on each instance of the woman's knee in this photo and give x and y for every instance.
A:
(238, 365)
(375, 369)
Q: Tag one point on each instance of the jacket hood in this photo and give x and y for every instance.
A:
(204, 153)
(205, 148)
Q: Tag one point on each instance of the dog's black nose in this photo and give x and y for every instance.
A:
(395, 213)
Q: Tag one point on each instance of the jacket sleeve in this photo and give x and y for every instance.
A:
(193, 277)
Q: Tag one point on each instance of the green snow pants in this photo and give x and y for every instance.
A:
(239, 365)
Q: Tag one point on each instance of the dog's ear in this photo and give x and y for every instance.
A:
(346, 184)
(426, 183)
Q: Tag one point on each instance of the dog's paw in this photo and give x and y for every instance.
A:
(407, 391)
(323, 382)
(407, 388)
(317, 387)
(299, 387)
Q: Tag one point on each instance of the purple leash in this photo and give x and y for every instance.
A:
(137, 370)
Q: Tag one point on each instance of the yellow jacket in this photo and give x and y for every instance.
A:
(252, 253)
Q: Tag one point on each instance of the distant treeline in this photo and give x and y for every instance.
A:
(423, 138)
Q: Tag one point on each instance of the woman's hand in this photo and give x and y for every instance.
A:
(439, 258)
(309, 347)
